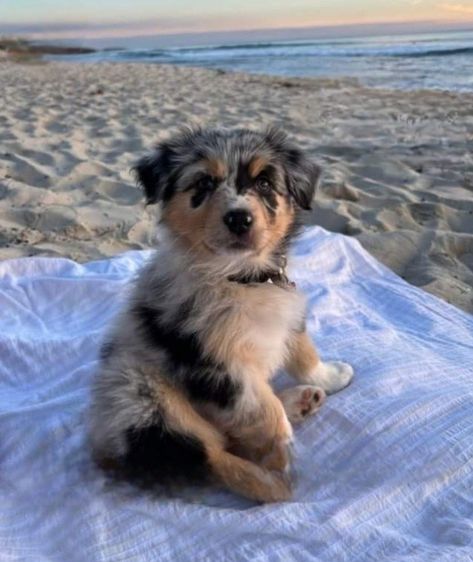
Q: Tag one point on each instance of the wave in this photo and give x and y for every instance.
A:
(262, 53)
(375, 61)
(440, 52)
(330, 49)
(142, 54)
(262, 45)
(290, 50)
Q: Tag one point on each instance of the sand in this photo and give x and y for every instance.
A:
(397, 166)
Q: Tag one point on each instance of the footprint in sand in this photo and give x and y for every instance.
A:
(22, 171)
(119, 192)
(342, 191)
(425, 212)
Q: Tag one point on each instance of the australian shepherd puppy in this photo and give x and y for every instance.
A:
(184, 388)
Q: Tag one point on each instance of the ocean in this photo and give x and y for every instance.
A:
(423, 61)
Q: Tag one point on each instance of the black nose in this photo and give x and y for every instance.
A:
(238, 221)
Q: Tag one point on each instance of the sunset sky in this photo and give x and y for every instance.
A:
(118, 18)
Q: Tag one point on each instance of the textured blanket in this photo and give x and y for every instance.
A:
(384, 471)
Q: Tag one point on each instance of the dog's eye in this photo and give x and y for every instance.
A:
(264, 185)
(206, 183)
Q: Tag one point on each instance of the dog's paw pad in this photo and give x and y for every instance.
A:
(311, 399)
(302, 401)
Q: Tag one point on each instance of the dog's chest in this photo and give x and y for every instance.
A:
(252, 333)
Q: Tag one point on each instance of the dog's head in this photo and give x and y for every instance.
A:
(233, 193)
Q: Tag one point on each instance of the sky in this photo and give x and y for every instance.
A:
(62, 19)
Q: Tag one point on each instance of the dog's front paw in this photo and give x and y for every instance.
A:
(302, 401)
(332, 376)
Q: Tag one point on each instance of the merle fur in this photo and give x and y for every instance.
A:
(157, 455)
(106, 350)
(159, 171)
(153, 452)
(202, 379)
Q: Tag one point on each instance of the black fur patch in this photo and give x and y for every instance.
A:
(294, 156)
(270, 201)
(203, 379)
(204, 187)
(152, 172)
(157, 455)
(243, 179)
(106, 350)
(182, 349)
(170, 187)
(199, 197)
(219, 389)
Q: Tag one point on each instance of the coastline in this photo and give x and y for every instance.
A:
(397, 165)
(16, 49)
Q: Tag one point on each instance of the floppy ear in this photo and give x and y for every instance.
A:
(302, 175)
(153, 174)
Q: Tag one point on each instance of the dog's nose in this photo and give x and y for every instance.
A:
(238, 221)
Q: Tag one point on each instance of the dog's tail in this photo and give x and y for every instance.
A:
(248, 479)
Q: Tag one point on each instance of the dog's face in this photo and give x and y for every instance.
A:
(229, 192)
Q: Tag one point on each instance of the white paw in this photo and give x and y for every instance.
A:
(302, 401)
(332, 376)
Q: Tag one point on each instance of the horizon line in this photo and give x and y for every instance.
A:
(59, 31)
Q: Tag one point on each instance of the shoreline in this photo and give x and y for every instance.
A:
(289, 79)
(397, 174)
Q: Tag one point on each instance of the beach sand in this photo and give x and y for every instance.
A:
(397, 166)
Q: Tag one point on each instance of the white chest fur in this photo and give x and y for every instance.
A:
(252, 327)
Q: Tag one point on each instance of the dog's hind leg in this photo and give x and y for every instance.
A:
(305, 365)
(237, 474)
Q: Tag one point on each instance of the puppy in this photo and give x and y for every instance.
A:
(184, 389)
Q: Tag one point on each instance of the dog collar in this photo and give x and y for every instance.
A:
(275, 276)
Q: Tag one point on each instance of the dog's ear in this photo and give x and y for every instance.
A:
(302, 175)
(153, 173)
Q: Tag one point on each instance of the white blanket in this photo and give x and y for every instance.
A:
(385, 470)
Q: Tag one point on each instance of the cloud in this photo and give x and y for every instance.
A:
(457, 8)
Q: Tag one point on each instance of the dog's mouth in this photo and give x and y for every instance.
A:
(240, 244)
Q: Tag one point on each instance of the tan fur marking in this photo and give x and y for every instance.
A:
(257, 165)
(265, 436)
(303, 357)
(217, 168)
(189, 227)
(182, 417)
(284, 218)
(275, 227)
(246, 478)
